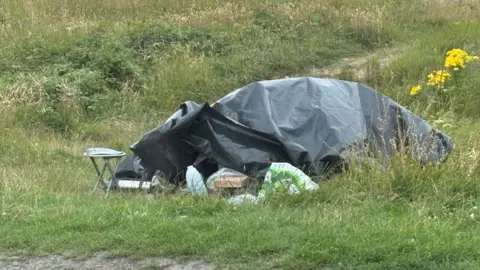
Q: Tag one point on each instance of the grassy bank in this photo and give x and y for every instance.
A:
(80, 75)
(59, 76)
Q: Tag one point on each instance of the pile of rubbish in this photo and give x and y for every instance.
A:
(272, 135)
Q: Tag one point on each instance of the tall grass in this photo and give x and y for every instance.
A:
(78, 63)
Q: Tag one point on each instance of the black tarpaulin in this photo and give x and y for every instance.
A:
(308, 122)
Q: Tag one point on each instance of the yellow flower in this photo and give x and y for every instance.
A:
(438, 78)
(457, 58)
(471, 58)
(415, 90)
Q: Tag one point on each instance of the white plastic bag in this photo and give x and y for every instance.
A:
(195, 182)
(243, 198)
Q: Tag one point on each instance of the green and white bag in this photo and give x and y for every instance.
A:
(285, 178)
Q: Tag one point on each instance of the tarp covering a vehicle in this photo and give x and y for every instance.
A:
(307, 122)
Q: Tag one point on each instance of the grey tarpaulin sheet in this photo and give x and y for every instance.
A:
(307, 122)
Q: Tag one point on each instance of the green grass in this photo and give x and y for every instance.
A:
(104, 74)
(369, 234)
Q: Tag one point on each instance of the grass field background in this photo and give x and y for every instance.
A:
(78, 74)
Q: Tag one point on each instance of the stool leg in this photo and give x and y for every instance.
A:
(100, 176)
(95, 165)
(114, 179)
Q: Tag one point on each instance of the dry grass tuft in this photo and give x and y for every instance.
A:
(21, 94)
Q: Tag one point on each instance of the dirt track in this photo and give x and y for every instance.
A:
(98, 262)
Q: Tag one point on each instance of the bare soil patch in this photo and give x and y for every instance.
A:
(98, 261)
(357, 66)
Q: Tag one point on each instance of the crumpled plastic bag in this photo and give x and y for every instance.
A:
(243, 198)
(195, 184)
(286, 178)
(223, 172)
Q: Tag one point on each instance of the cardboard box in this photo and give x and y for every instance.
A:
(231, 182)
